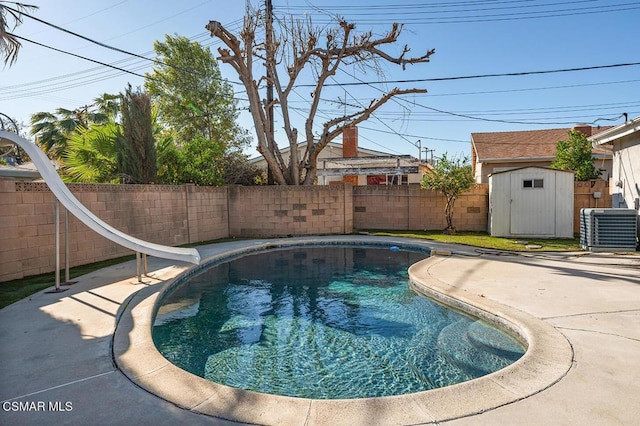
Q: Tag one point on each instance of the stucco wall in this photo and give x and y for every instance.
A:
(626, 170)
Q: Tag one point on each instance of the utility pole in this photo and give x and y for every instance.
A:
(419, 145)
(269, 64)
(428, 151)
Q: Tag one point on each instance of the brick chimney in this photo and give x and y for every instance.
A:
(350, 142)
(583, 128)
(350, 149)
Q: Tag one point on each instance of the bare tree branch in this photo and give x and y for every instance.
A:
(298, 48)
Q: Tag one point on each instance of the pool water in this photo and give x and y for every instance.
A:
(325, 323)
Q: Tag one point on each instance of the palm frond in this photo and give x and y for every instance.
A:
(91, 154)
(9, 44)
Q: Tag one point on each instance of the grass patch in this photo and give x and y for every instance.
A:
(484, 240)
(14, 290)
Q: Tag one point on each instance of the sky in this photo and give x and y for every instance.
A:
(470, 38)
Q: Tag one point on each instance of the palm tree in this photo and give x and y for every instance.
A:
(90, 154)
(136, 149)
(108, 104)
(96, 148)
(52, 130)
(9, 44)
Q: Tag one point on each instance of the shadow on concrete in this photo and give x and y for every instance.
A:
(57, 365)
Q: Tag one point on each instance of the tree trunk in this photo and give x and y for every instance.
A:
(448, 211)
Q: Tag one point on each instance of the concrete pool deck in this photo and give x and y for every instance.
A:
(58, 365)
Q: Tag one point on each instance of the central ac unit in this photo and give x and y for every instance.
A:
(608, 229)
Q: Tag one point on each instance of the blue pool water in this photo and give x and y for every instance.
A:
(326, 323)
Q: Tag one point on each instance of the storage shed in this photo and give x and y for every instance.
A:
(531, 202)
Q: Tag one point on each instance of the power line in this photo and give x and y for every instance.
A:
(566, 86)
(89, 15)
(19, 91)
(377, 118)
(416, 16)
(414, 104)
(413, 136)
(428, 9)
(469, 77)
(485, 92)
(78, 56)
(547, 110)
(106, 46)
(400, 81)
(342, 84)
(496, 120)
(22, 90)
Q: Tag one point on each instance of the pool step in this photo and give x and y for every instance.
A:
(478, 355)
(491, 340)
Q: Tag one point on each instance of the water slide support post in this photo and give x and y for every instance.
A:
(56, 208)
(140, 272)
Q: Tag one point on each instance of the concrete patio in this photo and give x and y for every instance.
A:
(58, 365)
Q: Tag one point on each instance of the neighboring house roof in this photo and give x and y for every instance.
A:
(27, 171)
(522, 145)
(19, 173)
(363, 151)
(617, 132)
(383, 164)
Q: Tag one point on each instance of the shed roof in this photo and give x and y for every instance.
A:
(530, 167)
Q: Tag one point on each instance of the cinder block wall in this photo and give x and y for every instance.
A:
(175, 215)
(288, 210)
(156, 213)
(207, 213)
(409, 207)
(12, 237)
(163, 214)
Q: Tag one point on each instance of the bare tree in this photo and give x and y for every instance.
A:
(9, 44)
(298, 47)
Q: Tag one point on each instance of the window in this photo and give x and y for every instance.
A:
(397, 180)
(387, 180)
(533, 183)
(376, 180)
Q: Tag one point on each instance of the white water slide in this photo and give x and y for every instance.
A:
(71, 203)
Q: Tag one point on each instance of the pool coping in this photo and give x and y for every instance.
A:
(548, 358)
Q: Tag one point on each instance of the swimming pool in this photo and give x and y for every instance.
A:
(328, 322)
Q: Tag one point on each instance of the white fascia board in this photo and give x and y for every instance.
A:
(617, 132)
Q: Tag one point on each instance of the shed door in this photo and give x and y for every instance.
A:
(533, 207)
